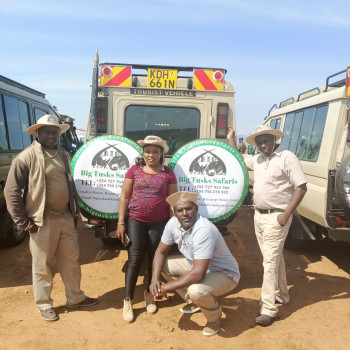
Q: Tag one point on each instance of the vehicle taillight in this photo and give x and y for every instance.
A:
(102, 111)
(222, 121)
(93, 221)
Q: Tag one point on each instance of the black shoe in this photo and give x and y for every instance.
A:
(264, 320)
(85, 303)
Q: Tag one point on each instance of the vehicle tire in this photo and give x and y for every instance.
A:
(111, 227)
(13, 234)
(296, 235)
(342, 185)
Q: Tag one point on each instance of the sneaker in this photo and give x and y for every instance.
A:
(211, 328)
(85, 303)
(151, 306)
(128, 313)
(190, 309)
(264, 320)
(48, 314)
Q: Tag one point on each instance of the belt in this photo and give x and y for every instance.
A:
(269, 211)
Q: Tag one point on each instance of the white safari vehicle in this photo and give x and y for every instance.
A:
(316, 127)
(179, 104)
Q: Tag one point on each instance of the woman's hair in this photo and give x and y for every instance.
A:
(141, 161)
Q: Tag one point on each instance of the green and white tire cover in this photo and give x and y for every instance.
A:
(99, 168)
(214, 170)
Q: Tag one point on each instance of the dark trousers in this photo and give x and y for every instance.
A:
(144, 237)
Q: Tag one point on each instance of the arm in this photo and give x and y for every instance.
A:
(158, 262)
(197, 274)
(231, 136)
(297, 197)
(123, 207)
(14, 192)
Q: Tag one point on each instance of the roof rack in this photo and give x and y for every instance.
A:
(338, 83)
(287, 102)
(145, 66)
(21, 86)
(268, 114)
(309, 93)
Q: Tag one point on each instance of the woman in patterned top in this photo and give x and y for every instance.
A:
(146, 187)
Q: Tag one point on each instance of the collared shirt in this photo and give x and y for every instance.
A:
(203, 241)
(275, 178)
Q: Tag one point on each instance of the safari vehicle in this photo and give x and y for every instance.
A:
(179, 104)
(316, 127)
(20, 107)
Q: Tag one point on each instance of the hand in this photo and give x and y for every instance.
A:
(120, 232)
(282, 218)
(230, 133)
(157, 290)
(33, 229)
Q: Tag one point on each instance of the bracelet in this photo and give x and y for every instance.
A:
(121, 223)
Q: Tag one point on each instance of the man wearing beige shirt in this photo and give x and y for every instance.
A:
(279, 187)
(42, 199)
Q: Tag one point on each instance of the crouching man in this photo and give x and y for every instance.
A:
(206, 270)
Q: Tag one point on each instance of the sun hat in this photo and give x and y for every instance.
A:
(154, 140)
(263, 129)
(47, 120)
(182, 196)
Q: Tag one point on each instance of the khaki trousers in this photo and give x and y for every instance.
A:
(271, 237)
(204, 293)
(57, 239)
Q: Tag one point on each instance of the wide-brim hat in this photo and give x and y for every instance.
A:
(47, 120)
(263, 129)
(154, 140)
(182, 196)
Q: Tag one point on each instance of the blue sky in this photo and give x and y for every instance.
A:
(272, 50)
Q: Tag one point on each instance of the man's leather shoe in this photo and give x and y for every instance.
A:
(264, 320)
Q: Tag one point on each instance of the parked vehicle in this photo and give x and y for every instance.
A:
(316, 127)
(179, 104)
(20, 107)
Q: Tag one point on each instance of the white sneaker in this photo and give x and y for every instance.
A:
(190, 309)
(151, 306)
(128, 313)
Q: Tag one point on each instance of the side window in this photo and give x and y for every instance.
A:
(303, 132)
(275, 123)
(24, 119)
(13, 123)
(3, 135)
(38, 113)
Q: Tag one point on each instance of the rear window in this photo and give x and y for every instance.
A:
(176, 125)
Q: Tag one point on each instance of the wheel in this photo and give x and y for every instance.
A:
(13, 234)
(342, 185)
(108, 235)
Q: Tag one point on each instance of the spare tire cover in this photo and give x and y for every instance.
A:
(342, 185)
(214, 170)
(99, 168)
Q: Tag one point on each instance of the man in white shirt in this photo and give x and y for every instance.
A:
(206, 270)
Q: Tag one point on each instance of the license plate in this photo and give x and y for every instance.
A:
(162, 78)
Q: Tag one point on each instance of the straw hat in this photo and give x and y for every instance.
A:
(154, 140)
(47, 120)
(263, 129)
(182, 196)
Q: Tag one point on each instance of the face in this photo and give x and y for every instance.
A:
(152, 155)
(186, 213)
(49, 136)
(265, 143)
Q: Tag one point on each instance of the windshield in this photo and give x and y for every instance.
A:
(176, 125)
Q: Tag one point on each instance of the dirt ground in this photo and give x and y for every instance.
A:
(318, 316)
